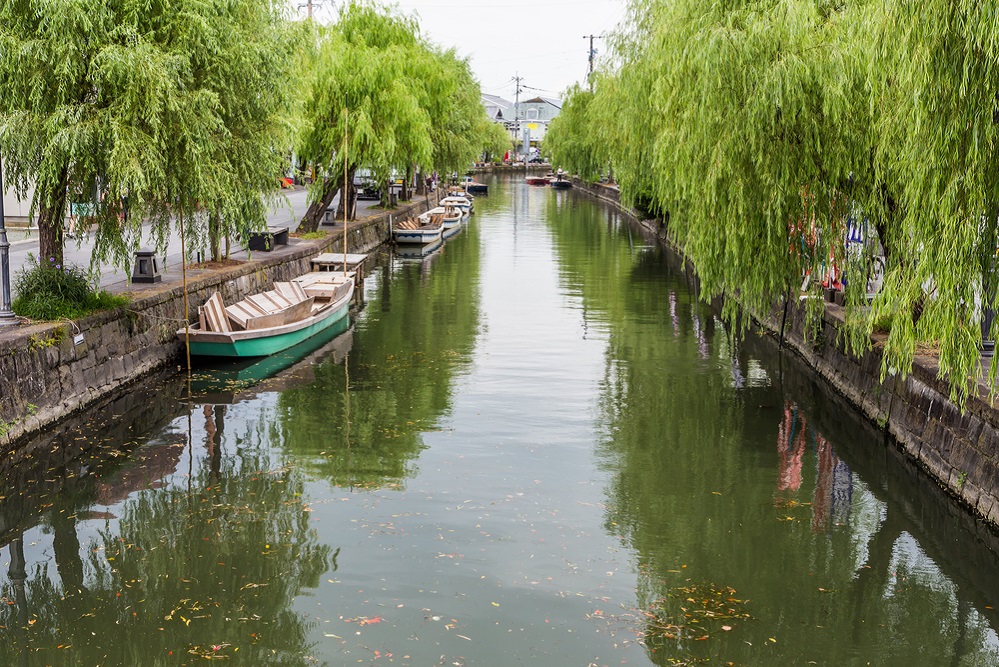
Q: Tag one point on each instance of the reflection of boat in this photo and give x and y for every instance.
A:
(219, 381)
(536, 180)
(416, 251)
(265, 323)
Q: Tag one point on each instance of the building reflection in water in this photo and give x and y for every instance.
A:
(833, 492)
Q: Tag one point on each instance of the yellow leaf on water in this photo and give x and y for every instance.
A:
(495, 604)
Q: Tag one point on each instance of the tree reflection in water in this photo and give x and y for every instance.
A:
(212, 572)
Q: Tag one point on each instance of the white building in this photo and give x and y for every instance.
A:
(527, 121)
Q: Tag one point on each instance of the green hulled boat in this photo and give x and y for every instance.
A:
(266, 323)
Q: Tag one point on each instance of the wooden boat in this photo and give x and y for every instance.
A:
(463, 203)
(474, 186)
(269, 322)
(452, 218)
(560, 183)
(536, 180)
(418, 232)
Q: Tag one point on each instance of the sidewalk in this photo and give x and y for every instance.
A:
(77, 252)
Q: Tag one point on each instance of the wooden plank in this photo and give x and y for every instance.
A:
(278, 298)
(265, 302)
(299, 311)
(265, 321)
(240, 313)
(293, 292)
(215, 315)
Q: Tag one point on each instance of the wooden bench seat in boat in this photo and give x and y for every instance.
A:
(326, 285)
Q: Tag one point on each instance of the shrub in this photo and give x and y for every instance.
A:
(53, 292)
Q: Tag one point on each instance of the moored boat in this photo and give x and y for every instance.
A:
(463, 203)
(272, 321)
(474, 186)
(418, 232)
(536, 180)
(451, 218)
(559, 181)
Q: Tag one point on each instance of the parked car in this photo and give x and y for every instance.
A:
(366, 186)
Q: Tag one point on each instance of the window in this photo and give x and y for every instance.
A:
(532, 113)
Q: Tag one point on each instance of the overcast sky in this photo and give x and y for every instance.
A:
(541, 40)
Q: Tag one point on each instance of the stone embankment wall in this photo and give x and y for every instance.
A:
(49, 371)
(960, 450)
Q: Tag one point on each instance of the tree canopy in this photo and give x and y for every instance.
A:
(399, 101)
(144, 111)
(762, 130)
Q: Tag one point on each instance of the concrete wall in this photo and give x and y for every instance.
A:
(49, 371)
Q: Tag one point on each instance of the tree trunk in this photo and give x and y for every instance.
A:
(215, 237)
(51, 212)
(350, 198)
(314, 216)
(405, 195)
(421, 184)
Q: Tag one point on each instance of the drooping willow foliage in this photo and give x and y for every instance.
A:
(409, 104)
(769, 129)
(120, 111)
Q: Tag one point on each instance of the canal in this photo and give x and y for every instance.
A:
(534, 447)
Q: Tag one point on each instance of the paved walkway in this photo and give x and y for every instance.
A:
(77, 252)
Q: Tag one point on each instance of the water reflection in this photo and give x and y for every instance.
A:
(538, 447)
(829, 570)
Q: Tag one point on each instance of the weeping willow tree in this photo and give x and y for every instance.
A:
(743, 113)
(935, 73)
(360, 89)
(409, 104)
(144, 111)
(765, 127)
(574, 139)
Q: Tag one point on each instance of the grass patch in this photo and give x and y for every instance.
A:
(311, 236)
(220, 264)
(51, 292)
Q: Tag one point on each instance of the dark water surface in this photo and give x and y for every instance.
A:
(534, 447)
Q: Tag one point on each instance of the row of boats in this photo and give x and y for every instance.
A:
(439, 223)
(293, 311)
(557, 180)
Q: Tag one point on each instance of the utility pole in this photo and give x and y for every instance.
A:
(516, 107)
(309, 4)
(593, 53)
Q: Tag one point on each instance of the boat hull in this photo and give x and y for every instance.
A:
(262, 342)
(266, 345)
(416, 236)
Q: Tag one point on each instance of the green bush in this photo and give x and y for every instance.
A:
(54, 292)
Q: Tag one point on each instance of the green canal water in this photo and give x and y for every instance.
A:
(535, 447)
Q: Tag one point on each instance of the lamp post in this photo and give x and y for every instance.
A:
(7, 316)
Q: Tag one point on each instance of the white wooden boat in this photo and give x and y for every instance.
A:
(460, 202)
(265, 323)
(421, 231)
(451, 218)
